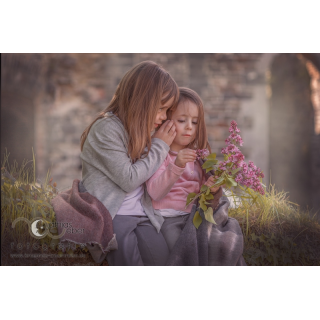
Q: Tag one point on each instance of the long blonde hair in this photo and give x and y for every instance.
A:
(140, 93)
(201, 139)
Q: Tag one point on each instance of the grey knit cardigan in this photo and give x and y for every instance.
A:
(108, 172)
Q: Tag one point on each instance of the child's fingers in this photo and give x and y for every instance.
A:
(164, 124)
(172, 130)
(188, 159)
(167, 126)
(190, 155)
(190, 151)
(210, 179)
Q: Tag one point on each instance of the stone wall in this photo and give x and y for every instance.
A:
(81, 85)
(75, 87)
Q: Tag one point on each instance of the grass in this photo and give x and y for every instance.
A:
(276, 231)
(24, 196)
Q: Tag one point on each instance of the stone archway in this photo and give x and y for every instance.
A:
(291, 128)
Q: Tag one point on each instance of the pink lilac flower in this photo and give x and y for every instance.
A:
(249, 174)
(202, 153)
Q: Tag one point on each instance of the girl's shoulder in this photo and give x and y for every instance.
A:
(109, 122)
(109, 126)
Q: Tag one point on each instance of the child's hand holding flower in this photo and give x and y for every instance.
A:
(184, 156)
(230, 173)
(211, 181)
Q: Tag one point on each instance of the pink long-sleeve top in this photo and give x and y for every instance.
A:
(170, 185)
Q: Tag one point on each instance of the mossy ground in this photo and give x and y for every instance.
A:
(276, 231)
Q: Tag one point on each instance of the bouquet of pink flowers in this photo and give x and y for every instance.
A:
(232, 172)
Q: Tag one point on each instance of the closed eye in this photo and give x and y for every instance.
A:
(181, 121)
(163, 108)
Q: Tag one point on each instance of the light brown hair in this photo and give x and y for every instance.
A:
(142, 90)
(201, 139)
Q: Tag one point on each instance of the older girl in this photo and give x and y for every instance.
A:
(119, 155)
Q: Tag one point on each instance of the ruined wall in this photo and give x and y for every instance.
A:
(80, 85)
(75, 92)
(75, 87)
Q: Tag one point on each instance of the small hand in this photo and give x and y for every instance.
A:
(210, 182)
(184, 156)
(166, 132)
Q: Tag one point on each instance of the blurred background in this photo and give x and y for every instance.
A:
(47, 100)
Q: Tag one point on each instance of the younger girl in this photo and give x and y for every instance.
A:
(180, 174)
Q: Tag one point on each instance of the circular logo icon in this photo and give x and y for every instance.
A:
(39, 228)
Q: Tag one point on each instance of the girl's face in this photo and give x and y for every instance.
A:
(186, 121)
(162, 113)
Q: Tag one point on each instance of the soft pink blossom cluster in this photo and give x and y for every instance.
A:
(202, 153)
(234, 137)
(249, 174)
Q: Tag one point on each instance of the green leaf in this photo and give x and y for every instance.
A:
(208, 214)
(235, 171)
(209, 164)
(230, 182)
(211, 156)
(190, 197)
(220, 180)
(204, 188)
(197, 220)
(202, 203)
(207, 192)
(209, 196)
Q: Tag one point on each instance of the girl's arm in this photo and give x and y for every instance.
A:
(160, 184)
(106, 155)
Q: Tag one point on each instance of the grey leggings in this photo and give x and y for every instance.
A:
(172, 228)
(139, 243)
